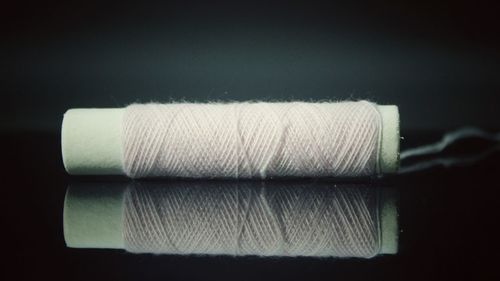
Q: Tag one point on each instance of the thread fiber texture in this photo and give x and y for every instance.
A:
(263, 219)
(251, 140)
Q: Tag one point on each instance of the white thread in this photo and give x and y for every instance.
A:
(250, 218)
(251, 140)
(448, 140)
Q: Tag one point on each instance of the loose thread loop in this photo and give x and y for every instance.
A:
(448, 140)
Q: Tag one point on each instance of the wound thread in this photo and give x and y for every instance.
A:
(252, 140)
(253, 218)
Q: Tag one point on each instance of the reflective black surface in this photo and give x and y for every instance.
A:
(448, 220)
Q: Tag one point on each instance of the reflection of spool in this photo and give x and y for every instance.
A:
(234, 218)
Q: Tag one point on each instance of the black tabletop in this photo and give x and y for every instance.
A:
(448, 226)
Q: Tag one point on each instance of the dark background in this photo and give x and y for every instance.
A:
(437, 60)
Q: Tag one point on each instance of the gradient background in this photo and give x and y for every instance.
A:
(437, 60)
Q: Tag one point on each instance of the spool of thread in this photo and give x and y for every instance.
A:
(233, 140)
(277, 218)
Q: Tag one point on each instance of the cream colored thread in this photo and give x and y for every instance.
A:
(295, 139)
(280, 219)
(379, 150)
